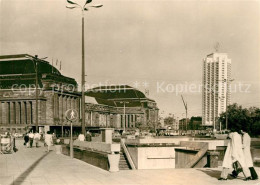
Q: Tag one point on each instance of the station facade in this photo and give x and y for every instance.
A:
(57, 93)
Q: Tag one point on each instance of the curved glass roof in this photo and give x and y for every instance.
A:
(24, 64)
(21, 70)
(116, 95)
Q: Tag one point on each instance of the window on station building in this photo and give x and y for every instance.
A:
(122, 120)
(8, 113)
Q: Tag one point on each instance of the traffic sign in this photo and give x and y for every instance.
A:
(71, 115)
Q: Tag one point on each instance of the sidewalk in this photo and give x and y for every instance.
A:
(34, 166)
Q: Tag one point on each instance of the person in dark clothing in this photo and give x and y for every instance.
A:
(14, 147)
(26, 140)
(88, 136)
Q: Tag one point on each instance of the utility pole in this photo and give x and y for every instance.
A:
(83, 126)
(35, 63)
(227, 90)
(186, 111)
(124, 120)
(74, 4)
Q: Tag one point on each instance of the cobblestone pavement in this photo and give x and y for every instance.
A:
(34, 166)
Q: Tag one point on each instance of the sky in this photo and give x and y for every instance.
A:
(158, 45)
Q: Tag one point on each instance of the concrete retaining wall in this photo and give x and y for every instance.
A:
(94, 158)
(151, 140)
(97, 146)
(152, 157)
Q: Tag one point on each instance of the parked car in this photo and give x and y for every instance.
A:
(172, 133)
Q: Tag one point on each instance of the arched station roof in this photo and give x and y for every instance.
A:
(118, 95)
(24, 64)
(21, 69)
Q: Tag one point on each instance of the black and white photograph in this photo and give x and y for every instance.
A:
(129, 92)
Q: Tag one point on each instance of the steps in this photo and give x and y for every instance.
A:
(123, 164)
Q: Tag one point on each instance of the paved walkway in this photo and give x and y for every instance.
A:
(36, 167)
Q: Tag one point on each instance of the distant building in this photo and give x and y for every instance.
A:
(183, 125)
(119, 101)
(215, 94)
(175, 125)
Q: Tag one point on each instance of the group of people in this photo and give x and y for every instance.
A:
(238, 157)
(30, 138)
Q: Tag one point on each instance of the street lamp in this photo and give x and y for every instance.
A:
(72, 4)
(124, 120)
(227, 88)
(35, 63)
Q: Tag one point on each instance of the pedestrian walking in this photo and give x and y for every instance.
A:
(26, 140)
(81, 137)
(88, 136)
(227, 162)
(48, 140)
(31, 136)
(239, 156)
(246, 139)
(234, 157)
(37, 138)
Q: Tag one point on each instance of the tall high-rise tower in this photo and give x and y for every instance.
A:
(215, 93)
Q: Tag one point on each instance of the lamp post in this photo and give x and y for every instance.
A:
(35, 63)
(83, 8)
(227, 88)
(124, 120)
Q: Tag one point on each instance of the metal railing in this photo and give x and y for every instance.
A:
(128, 157)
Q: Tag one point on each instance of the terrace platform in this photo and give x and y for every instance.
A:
(33, 166)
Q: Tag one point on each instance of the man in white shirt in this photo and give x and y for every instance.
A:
(81, 137)
(247, 153)
(36, 138)
(234, 154)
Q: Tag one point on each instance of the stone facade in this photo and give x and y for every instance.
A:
(18, 96)
(98, 115)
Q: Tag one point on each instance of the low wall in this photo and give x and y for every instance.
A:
(212, 144)
(152, 157)
(213, 158)
(98, 146)
(152, 140)
(183, 156)
(98, 159)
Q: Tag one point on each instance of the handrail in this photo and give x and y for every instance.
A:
(129, 159)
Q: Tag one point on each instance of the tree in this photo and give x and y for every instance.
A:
(242, 118)
(168, 120)
(195, 123)
(254, 120)
(153, 125)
